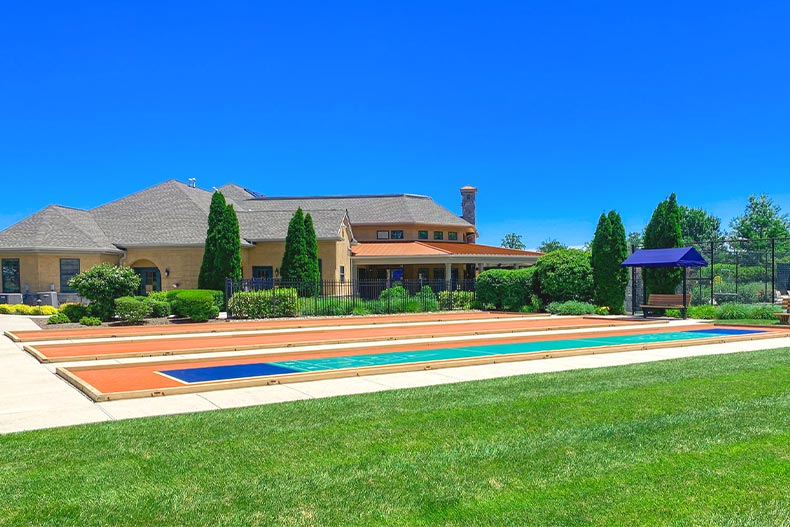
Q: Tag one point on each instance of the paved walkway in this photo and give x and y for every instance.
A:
(32, 397)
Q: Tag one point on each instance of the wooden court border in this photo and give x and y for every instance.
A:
(70, 373)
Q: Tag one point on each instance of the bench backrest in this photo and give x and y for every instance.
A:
(786, 304)
(668, 300)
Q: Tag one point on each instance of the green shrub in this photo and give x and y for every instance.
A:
(102, 284)
(602, 310)
(271, 303)
(217, 298)
(674, 313)
(132, 309)
(327, 307)
(733, 311)
(571, 307)
(74, 311)
(706, 312)
(160, 296)
(505, 289)
(90, 321)
(58, 318)
(361, 310)
(564, 275)
(158, 308)
(451, 300)
(394, 298)
(197, 304)
(763, 311)
(426, 299)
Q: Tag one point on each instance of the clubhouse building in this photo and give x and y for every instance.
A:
(160, 233)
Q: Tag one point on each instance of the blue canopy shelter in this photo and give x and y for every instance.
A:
(676, 257)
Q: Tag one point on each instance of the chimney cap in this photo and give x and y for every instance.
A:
(469, 187)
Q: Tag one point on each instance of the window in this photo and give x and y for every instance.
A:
(452, 236)
(422, 272)
(262, 271)
(342, 274)
(396, 235)
(438, 273)
(422, 235)
(69, 267)
(11, 282)
(438, 235)
(382, 235)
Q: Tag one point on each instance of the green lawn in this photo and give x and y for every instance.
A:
(750, 321)
(690, 442)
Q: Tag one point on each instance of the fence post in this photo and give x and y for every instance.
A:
(773, 270)
(712, 274)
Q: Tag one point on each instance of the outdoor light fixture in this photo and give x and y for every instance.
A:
(167, 271)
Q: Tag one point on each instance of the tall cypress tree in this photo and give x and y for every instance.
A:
(295, 266)
(663, 232)
(228, 261)
(311, 242)
(216, 215)
(600, 261)
(618, 249)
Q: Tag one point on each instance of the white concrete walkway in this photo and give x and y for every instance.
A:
(32, 396)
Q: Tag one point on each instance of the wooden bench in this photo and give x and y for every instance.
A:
(656, 302)
(784, 317)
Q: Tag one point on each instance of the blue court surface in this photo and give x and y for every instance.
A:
(267, 369)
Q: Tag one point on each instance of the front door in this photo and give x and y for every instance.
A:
(150, 280)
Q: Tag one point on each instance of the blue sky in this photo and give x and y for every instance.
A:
(556, 111)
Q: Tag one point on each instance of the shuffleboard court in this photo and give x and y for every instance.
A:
(62, 352)
(195, 375)
(185, 328)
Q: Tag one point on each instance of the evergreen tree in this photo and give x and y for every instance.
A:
(608, 252)
(228, 262)
(314, 272)
(663, 232)
(600, 261)
(216, 215)
(296, 267)
(619, 252)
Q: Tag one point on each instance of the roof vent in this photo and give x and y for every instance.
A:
(192, 182)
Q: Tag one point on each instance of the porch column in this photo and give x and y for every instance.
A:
(448, 275)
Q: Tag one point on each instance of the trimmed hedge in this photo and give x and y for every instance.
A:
(90, 321)
(132, 309)
(197, 304)
(564, 275)
(271, 303)
(505, 289)
(571, 307)
(24, 309)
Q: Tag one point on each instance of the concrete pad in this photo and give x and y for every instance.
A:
(50, 418)
(253, 396)
(334, 387)
(412, 379)
(151, 406)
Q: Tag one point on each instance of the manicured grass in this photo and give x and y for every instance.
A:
(702, 441)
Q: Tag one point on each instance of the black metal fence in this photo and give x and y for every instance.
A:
(739, 271)
(331, 297)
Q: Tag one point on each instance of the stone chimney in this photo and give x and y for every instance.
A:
(468, 203)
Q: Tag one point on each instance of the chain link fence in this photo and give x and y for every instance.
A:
(739, 271)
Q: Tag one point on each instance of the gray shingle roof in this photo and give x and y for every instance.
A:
(374, 209)
(171, 213)
(273, 225)
(57, 228)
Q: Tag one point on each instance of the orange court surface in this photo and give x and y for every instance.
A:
(364, 351)
(277, 336)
